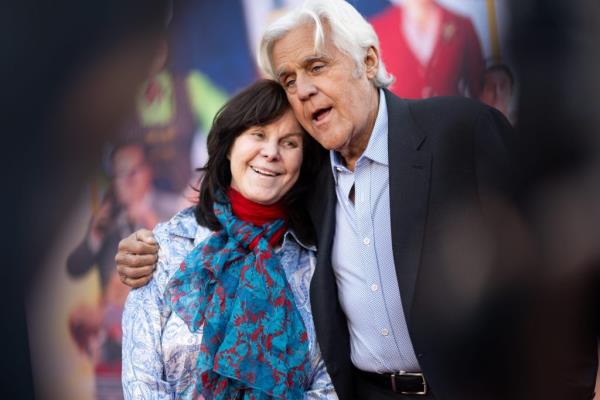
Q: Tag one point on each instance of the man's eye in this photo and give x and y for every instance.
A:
(317, 67)
(290, 83)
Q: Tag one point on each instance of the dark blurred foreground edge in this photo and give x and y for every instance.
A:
(69, 72)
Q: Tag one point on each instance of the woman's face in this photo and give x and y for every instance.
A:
(265, 160)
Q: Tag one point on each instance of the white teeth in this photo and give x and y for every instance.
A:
(261, 172)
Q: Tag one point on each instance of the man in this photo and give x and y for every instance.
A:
(402, 295)
(497, 86)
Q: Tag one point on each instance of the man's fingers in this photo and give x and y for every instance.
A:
(132, 245)
(135, 283)
(145, 236)
(135, 260)
(135, 272)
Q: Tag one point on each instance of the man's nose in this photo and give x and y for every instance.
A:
(305, 87)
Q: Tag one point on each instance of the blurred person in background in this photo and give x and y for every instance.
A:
(430, 50)
(130, 203)
(497, 85)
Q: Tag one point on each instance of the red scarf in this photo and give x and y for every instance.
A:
(257, 214)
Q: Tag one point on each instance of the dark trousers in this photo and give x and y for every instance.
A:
(367, 391)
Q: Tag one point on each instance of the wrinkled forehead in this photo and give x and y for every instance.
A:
(312, 42)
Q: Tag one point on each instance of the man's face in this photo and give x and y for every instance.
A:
(497, 90)
(335, 105)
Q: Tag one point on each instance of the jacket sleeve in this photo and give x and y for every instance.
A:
(321, 387)
(144, 318)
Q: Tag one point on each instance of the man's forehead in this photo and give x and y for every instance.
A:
(301, 60)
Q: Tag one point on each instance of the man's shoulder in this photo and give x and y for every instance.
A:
(446, 119)
(440, 114)
(447, 106)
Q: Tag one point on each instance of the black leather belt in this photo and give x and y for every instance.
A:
(409, 383)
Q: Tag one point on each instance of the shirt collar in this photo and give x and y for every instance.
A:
(377, 147)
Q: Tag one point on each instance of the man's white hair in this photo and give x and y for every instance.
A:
(350, 32)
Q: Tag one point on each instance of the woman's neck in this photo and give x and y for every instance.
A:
(421, 12)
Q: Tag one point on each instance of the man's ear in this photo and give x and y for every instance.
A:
(371, 62)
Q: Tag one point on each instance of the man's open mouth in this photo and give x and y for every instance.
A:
(264, 172)
(320, 114)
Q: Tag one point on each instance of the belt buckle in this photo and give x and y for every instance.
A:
(416, 374)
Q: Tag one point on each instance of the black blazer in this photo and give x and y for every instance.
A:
(448, 158)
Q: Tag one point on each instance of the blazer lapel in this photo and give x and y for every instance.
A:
(330, 321)
(409, 170)
(323, 288)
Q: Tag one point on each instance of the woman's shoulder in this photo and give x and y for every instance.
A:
(176, 238)
(182, 223)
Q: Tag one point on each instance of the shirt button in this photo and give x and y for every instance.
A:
(366, 241)
(374, 287)
(385, 332)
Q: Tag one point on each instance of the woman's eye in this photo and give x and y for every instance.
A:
(290, 144)
(258, 135)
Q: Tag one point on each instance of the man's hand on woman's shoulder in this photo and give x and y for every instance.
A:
(136, 258)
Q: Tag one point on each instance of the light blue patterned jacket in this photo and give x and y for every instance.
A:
(160, 353)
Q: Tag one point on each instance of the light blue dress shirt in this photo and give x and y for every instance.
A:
(363, 261)
(159, 351)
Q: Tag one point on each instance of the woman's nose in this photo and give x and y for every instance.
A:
(270, 150)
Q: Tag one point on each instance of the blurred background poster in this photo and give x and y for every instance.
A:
(433, 47)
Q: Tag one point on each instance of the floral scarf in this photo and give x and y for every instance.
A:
(233, 288)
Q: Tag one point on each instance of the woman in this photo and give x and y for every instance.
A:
(431, 50)
(227, 314)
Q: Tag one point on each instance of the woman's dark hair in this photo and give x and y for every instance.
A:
(258, 105)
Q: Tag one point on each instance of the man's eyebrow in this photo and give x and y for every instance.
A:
(282, 71)
(313, 58)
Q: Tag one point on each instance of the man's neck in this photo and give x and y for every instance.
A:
(359, 142)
